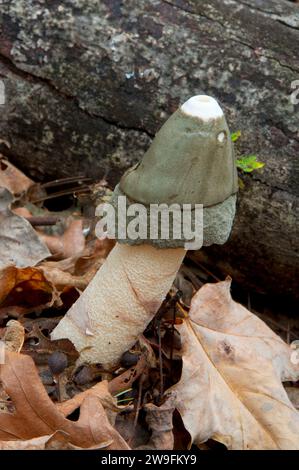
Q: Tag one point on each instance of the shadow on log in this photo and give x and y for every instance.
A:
(87, 85)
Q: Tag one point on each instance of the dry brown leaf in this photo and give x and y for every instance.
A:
(127, 378)
(38, 443)
(57, 441)
(73, 238)
(19, 243)
(23, 290)
(14, 336)
(233, 365)
(71, 243)
(39, 346)
(104, 389)
(35, 415)
(99, 390)
(96, 251)
(22, 211)
(13, 179)
(53, 242)
(76, 271)
(84, 263)
(62, 279)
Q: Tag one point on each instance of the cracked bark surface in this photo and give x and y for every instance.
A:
(89, 82)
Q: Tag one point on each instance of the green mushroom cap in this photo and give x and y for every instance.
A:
(190, 161)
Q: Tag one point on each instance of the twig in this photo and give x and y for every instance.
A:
(160, 362)
(67, 180)
(197, 283)
(138, 405)
(66, 192)
(176, 299)
(36, 221)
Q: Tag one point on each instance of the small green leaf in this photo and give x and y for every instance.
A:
(235, 136)
(249, 163)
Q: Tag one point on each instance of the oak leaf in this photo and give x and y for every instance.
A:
(35, 415)
(231, 384)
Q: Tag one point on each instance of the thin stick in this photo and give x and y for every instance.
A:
(59, 182)
(138, 405)
(175, 299)
(197, 283)
(66, 192)
(172, 338)
(160, 362)
(37, 221)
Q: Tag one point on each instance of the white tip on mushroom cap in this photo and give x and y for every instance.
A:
(203, 107)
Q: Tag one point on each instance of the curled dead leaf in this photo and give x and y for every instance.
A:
(78, 270)
(35, 415)
(99, 390)
(23, 290)
(62, 279)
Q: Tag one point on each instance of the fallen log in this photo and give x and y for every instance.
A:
(87, 85)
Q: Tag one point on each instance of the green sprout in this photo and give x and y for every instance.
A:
(249, 163)
(235, 135)
(123, 400)
(119, 394)
(246, 163)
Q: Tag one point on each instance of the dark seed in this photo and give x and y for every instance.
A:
(57, 362)
(129, 359)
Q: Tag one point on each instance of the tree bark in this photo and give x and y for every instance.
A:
(88, 83)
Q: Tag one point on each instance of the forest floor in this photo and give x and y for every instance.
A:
(48, 400)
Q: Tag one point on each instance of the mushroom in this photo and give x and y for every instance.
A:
(191, 162)
(57, 363)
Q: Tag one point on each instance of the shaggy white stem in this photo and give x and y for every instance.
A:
(119, 302)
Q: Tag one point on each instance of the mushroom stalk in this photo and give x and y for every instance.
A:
(189, 163)
(120, 301)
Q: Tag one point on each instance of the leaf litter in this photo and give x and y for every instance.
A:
(206, 369)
